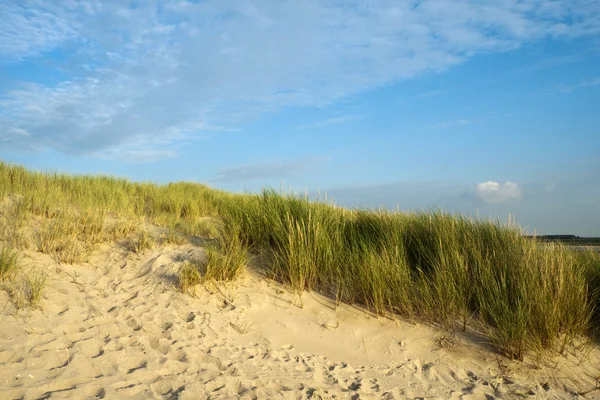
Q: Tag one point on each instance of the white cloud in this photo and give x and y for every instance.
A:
(148, 79)
(494, 192)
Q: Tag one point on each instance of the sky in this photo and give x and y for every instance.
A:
(478, 107)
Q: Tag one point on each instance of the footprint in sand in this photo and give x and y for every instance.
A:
(161, 386)
(99, 354)
(139, 366)
(114, 311)
(191, 316)
(323, 376)
(159, 344)
(133, 324)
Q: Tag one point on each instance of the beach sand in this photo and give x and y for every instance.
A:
(116, 327)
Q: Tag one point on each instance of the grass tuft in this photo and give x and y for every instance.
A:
(173, 237)
(60, 237)
(9, 263)
(140, 243)
(226, 259)
(189, 275)
(32, 287)
(26, 292)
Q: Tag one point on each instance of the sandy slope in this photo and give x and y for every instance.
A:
(116, 328)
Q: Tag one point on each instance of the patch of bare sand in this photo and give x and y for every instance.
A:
(117, 328)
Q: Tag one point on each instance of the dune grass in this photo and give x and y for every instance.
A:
(9, 259)
(225, 260)
(141, 242)
(429, 266)
(24, 287)
(27, 291)
(190, 275)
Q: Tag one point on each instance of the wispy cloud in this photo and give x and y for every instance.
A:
(565, 88)
(150, 79)
(329, 122)
(550, 62)
(431, 93)
(275, 169)
(584, 84)
(28, 29)
(137, 153)
(403, 195)
(453, 123)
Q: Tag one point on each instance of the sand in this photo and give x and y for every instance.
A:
(117, 328)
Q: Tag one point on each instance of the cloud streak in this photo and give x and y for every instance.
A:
(451, 124)
(168, 71)
(584, 84)
(277, 169)
(329, 122)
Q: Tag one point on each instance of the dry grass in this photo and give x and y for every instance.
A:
(173, 237)
(225, 261)
(189, 275)
(26, 288)
(9, 264)
(120, 229)
(12, 222)
(32, 286)
(141, 242)
(65, 238)
(446, 341)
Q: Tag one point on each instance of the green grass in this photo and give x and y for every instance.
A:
(589, 262)
(226, 258)
(428, 266)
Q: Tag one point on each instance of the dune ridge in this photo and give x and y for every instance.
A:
(118, 327)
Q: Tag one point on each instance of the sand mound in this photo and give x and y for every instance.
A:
(117, 328)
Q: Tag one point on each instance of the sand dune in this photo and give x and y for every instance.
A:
(117, 328)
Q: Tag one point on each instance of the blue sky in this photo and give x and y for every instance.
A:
(478, 107)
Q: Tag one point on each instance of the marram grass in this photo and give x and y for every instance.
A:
(9, 263)
(430, 266)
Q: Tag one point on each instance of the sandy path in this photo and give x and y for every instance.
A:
(116, 328)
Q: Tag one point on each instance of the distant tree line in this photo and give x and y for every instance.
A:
(572, 239)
